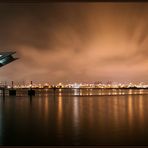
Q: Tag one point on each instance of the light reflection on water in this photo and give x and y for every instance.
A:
(141, 111)
(64, 119)
(76, 120)
(60, 117)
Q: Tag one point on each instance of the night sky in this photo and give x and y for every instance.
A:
(75, 42)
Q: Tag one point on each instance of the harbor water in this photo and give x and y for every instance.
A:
(75, 117)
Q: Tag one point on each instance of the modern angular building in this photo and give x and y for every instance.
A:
(6, 58)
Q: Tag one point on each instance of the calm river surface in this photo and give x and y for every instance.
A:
(75, 117)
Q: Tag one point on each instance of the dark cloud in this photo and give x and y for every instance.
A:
(75, 41)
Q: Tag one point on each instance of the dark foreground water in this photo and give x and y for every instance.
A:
(67, 118)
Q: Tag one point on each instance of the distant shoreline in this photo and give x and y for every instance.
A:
(78, 88)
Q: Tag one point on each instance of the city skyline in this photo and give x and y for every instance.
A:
(68, 42)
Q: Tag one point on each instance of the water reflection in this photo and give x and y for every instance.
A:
(136, 109)
(141, 111)
(90, 111)
(115, 110)
(60, 116)
(76, 92)
(60, 92)
(76, 112)
(46, 109)
(130, 111)
(75, 120)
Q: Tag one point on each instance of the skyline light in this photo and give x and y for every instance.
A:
(74, 85)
